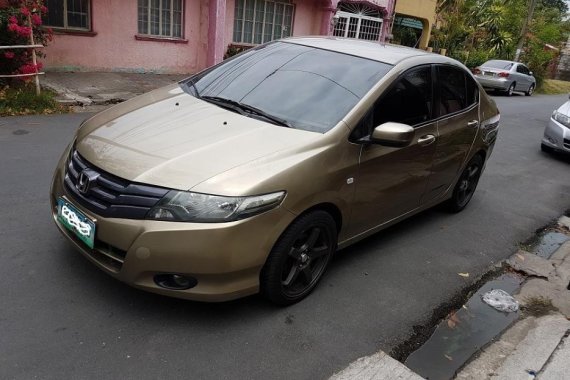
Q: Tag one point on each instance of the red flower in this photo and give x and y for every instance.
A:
(24, 31)
(25, 11)
(12, 20)
(29, 68)
(44, 9)
(13, 27)
(9, 54)
(36, 19)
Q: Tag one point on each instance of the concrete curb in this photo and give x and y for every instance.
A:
(533, 348)
(379, 366)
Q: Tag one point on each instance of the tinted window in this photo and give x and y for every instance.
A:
(521, 69)
(472, 90)
(312, 89)
(409, 100)
(454, 92)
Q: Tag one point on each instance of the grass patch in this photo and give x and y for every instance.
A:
(24, 101)
(537, 306)
(554, 87)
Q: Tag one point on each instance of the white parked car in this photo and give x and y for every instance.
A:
(506, 76)
(557, 133)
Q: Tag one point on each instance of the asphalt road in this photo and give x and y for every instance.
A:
(60, 317)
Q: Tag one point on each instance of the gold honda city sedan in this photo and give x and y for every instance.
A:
(248, 176)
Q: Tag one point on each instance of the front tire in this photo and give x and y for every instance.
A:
(299, 258)
(530, 90)
(466, 185)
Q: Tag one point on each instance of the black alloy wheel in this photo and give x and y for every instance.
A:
(465, 187)
(299, 258)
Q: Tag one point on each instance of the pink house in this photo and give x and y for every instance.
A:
(185, 36)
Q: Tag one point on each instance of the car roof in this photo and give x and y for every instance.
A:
(386, 53)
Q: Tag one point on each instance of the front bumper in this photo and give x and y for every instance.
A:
(225, 258)
(557, 136)
(493, 83)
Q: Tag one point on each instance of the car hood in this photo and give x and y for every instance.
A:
(169, 138)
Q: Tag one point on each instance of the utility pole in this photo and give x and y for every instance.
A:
(527, 21)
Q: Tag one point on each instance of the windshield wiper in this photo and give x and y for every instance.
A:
(226, 103)
(193, 85)
(274, 119)
(246, 109)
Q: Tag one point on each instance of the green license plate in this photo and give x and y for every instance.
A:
(75, 221)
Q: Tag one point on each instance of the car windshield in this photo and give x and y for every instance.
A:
(305, 87)
(503, 65)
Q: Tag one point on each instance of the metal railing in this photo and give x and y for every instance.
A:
(32, 46)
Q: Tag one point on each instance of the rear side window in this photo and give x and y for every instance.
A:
(522, 69)
(409, 101)
(457, 90)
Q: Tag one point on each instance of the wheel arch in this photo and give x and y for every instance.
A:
(330, 208)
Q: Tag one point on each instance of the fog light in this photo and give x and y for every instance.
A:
(175, 281)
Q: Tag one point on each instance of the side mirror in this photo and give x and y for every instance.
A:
(392, 134)
(530, 73)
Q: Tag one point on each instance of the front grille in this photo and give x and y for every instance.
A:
(567, 143)
(108, 195)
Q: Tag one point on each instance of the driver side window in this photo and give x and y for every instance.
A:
(408, 101)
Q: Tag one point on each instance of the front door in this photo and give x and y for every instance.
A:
(390, 180)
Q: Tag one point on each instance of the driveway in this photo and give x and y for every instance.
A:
(60, 317)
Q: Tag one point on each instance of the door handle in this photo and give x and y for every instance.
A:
(473, 124)
(426, 140)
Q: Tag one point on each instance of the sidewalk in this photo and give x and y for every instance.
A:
(94, 91)
(536, 346)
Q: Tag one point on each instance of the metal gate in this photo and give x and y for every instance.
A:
(358, 21)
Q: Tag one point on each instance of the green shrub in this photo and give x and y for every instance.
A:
(22, 100)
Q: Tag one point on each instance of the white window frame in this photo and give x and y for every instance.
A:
(348, 16)
(160, 10)
(287, 5)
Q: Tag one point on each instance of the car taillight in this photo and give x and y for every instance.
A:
(503, 74)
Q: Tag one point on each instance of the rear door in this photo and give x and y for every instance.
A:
(457, 107)
(522, 78)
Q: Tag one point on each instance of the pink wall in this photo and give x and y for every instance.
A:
(308, 16)
(207, 35)
(114, 47)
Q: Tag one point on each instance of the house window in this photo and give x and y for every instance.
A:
(68, 14)
(358, 21)
(260, 21)
(162, 18)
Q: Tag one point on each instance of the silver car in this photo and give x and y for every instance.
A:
(506, 76)
(557, 133)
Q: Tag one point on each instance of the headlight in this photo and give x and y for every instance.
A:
(561, 118)
(184, 206)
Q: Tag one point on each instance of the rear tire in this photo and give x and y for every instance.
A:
(466, 185)
(511, 89)
(530, 90)
(299, 258)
